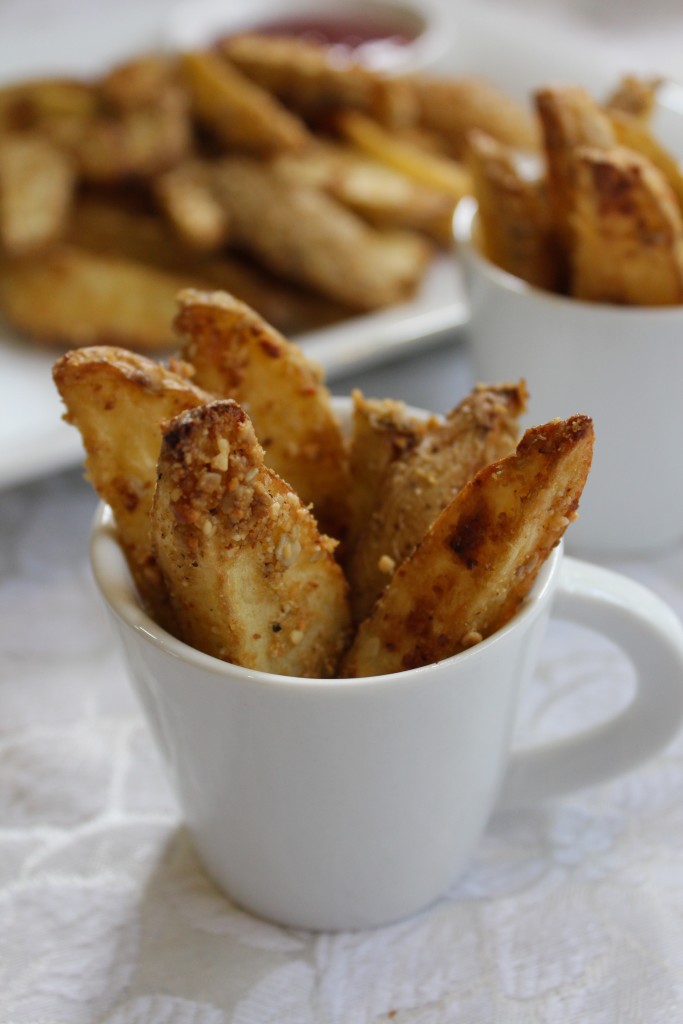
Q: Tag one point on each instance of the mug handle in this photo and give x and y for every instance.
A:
(650, 634)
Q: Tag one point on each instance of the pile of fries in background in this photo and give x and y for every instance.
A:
(604, 219)
(261, 532)
(311, 191)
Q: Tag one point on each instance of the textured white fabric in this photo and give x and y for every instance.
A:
(568, 912)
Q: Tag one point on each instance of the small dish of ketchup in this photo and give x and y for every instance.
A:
(382, 34)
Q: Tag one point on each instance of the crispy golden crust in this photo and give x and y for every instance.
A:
(307, 237)
(250, 578)
(513, 212)
(627, 231)
(480, 558)
(118, 401)
(236, 354)
(419, 484)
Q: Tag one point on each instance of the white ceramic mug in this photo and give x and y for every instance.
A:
(350, 803)
(623, 366)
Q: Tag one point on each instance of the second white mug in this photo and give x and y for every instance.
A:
(622, 366)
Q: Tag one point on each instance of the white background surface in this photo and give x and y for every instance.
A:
(572, 912)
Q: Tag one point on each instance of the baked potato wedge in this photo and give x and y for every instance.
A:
(419, 484)
(250, 578)
(118, 401)
(627, 231)
(478, 561)
(514, 219)
(37, 182)
(382, 430)
(70, 296)
(236, 111)
(237, 354)
(569, 118)
(307, 237)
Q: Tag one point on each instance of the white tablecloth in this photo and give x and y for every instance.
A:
(569, 912)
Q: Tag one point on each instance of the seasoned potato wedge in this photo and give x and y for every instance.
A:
(382, 430)
(37, 182)
(452, 107)
(634, 133)
(431, 169)
(627, 231)
(184, 194)
(143, 81)
(635, 96)
(72, 297)
(480, 558)
(309, 238)
(236, 354)
(238, 112)
(513, 213)
(250, 578)
(418, 485)
(109, 227)
(133, 143)
(118, 401)
(310, 79)
(382, 195)
(570, 118)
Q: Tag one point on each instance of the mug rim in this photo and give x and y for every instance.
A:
(114, 582)
(464, 218)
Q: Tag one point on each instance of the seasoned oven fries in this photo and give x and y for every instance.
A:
(514, 221)
(118, 401)
(404, 155)
(236, 111)
(421, 482)
(602, 218)
(198, 463)
(303, 77)
(634, 133)
(569, 118)
(480, 558)
(36, 190)
(236, 354)
(70, 296)
(627, 231)
(451, 107)
(243, 160)
(382, 430)
(250, 578)
(374, 190)
(294, 229)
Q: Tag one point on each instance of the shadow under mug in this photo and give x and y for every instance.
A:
(623, 366)
(349, 803)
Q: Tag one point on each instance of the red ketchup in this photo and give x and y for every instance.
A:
(366, 41)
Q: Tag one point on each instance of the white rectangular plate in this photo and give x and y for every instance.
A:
(33, 438)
